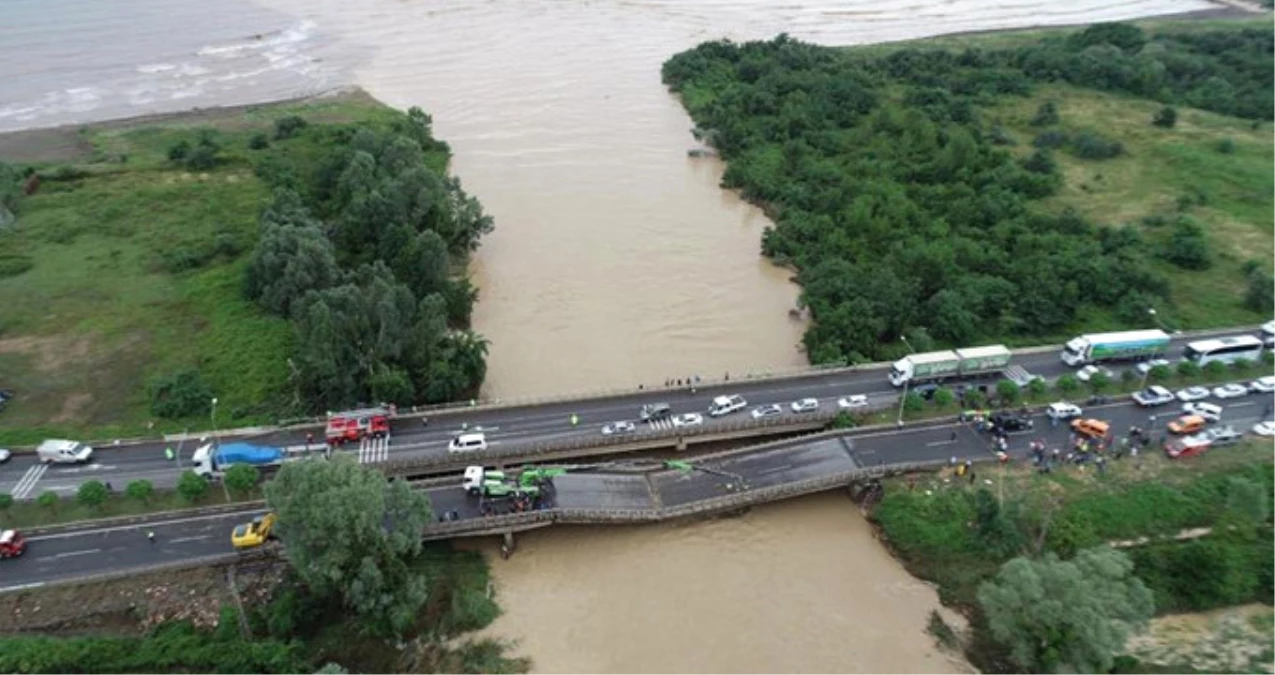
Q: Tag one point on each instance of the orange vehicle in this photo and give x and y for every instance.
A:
(1186, 424)
(355, 425)
(1090, 428)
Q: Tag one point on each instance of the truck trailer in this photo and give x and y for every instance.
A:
(1125, 345)
(211, 461)
(955, 363)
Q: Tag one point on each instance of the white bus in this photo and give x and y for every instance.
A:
(1268, 334)
(1226, 350)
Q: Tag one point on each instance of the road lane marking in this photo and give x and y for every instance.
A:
(938, 443)
(20, 587)
(68, 554)
(154, 525)
(27, 483)
(1241, 405)
(183, 539)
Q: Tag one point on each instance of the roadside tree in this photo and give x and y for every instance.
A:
(49, 500)
(141, 490)
(92, 494)
(191, 487)
(351, 534)
(1008, 392)
(1067, 384)
(241, 478)
(1071, 615)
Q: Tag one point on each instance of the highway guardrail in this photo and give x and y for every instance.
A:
(156, 518)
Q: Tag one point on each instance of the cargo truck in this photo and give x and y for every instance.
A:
(957, 363)
(1126, 345)
(211, 461)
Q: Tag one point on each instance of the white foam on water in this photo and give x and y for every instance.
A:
(156, 68)
(292, 35)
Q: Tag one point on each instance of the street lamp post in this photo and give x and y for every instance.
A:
(212, 417)
(903, 399)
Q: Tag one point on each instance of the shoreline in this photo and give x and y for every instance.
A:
(64, 141)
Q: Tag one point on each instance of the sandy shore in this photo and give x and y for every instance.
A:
(67, 143)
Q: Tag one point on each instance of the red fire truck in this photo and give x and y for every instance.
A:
(355, 425)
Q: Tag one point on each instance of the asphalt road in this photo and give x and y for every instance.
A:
(70, 555)
(504, 428)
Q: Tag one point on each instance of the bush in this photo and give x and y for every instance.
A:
(241, 478)
(179, 151)
(259, 142)
(13, 265)
(999, 136)
(1226, 146)
(141, 490)
(913, 402)
(1187, 247)
(1100, 382)
(1089, 145)
(191, 487)
(287, 127)
(1067, 384)
(1166, 117)
(1215, 369)
(974, 399)
(1008, 392)
(202, 158)
(1041, 161)
(49, 500)
(1046, 115)
(1160, 373)
(1259, 297)
(1038, 387)
(181, 394)
(92, 494)
(944, 397)
(1188, 369)
(1050, 139)
(6, 501)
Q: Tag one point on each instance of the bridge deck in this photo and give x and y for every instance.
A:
(786, 471)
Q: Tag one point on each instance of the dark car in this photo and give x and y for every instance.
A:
(1003, 421)
(925, 391)
(655, 411)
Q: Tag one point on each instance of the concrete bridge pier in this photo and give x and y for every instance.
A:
(681, 443)
(507, 546)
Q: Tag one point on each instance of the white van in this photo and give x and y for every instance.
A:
(468, 443)
(725, 405)
(56, 451)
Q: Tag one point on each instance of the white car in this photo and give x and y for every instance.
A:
(1208, 411)
(688, 420)
(1146, 366)
(805, 405)
(764, 411)
(1223, 435)
(1194, 394)
(1153, 396)
(1230, 391)
(853, 402)
(1085, 374)
(619, 428)
(5, 455)
(725, 405)
(1063, 410)
(1264, 428)
(1263, 385)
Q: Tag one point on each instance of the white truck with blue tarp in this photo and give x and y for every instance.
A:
(953, 363)
(212, 460)
(1120, 346)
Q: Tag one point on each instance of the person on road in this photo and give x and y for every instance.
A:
(150, 536)
(575, 419)
(169, 454)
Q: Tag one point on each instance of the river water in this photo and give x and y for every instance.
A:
(616, 261)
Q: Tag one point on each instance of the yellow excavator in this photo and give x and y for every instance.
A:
(255, 533)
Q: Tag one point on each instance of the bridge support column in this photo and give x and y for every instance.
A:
(681, 443)
(507, 546)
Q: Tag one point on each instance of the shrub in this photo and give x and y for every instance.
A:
(1041, 161)
(1226, 146)
(13, 265)
(259, 142)
(1046, 115)
(1100, 382)
(1008, 392)
(180, 394)
(1160, 373)
(49, 500)
(1067, 384)
(202, 158)
(975, 399)
(1089, 145)
(999, 136)
(1259, 297)
(1188, 369)
(92, 494)
(1215, 369)
(1241, 365)
(191, 487)
(179, 151)
(1187, 247)
(287, 127)
(184, 258)
(944, 397)
(1050, 139)
(913, 402)
(1128, 376)
(6, 501)
(1037, 387)
(141, 490)
(241, 478)
(1166, 117)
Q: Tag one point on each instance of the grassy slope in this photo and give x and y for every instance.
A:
(98, 315)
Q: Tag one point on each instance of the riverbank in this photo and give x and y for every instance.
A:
(125, 276)
(956, 533)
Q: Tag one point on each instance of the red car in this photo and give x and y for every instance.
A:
(355, 425)
(1187, 446)
(12, 544)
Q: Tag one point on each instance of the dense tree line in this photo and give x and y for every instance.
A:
(897, 203)
(357, 248)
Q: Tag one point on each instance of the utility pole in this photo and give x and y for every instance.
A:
(904, 399)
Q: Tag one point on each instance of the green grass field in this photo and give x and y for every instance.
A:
(1160, 166)
(106, 304)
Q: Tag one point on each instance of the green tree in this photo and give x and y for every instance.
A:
(1187, 246)
(292, 258)
(1099, 382)
(1160, 373)
(1215, 370)
(1008, 392)
(49, 500)
(1260, 295)
(1188, 369)
(1166, 117)
(191, 486)
(141, 490)
(1067, 384)
(288, 126)
(368, 567)
(92, 493)
(996, 531)
(1066, 615)
(1128, 377)
(943, 397)
(1241, 365)
(1046, 115)
(240, 478)
(974, 399)
(1037, 387)
(180, 394)
(913, 402)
